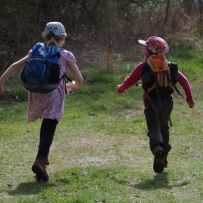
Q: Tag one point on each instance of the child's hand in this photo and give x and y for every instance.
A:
(120, 89)
(191, 104)
(71, 86)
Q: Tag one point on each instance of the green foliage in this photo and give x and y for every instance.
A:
(190, 61)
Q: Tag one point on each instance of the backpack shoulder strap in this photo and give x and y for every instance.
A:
(174, 76)
(146, 68)
(174, 72)
(172, 65)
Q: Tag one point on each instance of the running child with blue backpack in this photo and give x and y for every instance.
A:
(43, 75)
(159, 77)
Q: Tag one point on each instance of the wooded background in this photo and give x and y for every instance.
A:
(99, 31)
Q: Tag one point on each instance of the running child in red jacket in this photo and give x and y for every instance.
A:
(158, 77)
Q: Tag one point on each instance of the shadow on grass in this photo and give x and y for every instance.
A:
(30, 188)
(159, 181)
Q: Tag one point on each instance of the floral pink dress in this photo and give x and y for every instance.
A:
(50, 105)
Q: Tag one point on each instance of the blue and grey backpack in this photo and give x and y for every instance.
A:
(41, 73)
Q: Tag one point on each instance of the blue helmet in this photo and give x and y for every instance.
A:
(56, 28)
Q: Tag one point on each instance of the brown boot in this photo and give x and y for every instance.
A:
(158, 164)
(39, 168)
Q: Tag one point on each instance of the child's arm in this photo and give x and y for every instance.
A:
(78, 79)
(12, 70)
(187, 89)
(131, 79)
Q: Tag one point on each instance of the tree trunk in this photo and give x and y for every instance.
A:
(167, 11)
(200, 17)
(109, 24)
(188, 6)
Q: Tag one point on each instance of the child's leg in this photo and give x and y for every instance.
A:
(166, 135)
(165, 114)
(164, 120)
(47, 131)
(153, 124)
(154, 132)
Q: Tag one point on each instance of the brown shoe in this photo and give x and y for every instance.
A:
(158, 164)
(39, 168)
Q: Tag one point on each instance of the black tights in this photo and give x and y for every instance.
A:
(47, 131)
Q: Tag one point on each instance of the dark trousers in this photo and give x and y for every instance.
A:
(47, 131)
(157, 114)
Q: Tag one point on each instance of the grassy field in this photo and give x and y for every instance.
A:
(100, 151)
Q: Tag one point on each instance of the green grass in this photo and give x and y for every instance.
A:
(100, 151)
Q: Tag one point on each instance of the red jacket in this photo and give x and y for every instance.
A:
(136, 75)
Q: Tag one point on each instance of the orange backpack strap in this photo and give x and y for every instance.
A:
(158, 63)
(163, 78)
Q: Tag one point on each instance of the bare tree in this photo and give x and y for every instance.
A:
(167, 11)
(109, 28)
(200, 16)
(188, 6)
